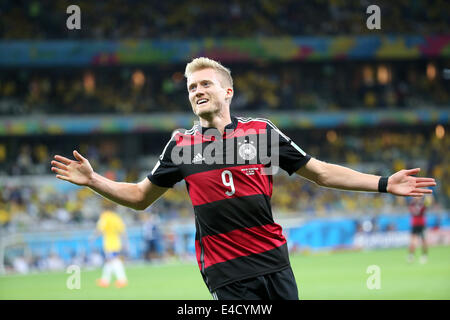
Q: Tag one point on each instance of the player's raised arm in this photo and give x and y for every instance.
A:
(402, 183)
(134, 195)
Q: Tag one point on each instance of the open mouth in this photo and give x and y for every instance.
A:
(202, 101)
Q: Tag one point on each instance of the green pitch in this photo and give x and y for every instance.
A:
(340, 275)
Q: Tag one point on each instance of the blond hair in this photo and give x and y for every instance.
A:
(201, 63)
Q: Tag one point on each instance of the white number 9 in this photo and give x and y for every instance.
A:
(228, 183)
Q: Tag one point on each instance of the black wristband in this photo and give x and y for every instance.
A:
(382, 184)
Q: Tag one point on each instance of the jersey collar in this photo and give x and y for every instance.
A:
(231, 126)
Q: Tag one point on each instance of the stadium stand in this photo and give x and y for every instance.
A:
(289, 86)
(175, 20)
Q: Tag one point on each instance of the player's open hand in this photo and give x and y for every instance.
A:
(77, 171)
(402, 183)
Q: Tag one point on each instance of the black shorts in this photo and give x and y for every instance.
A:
(418, 230)
(279, 285)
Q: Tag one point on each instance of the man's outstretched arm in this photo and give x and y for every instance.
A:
(134, 195)
(401, 183)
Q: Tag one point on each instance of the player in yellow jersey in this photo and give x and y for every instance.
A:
(112, 227)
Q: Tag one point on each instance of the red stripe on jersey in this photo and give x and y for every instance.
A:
(242, 129)
(418, 221)
(247, 132)
(252, 124)
(417, 215)
(247, 129)
(188, 140)
(215, 185)
(241, 242)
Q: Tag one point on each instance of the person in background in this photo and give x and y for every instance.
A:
(112, 227)
(151, 233)
(417, 208)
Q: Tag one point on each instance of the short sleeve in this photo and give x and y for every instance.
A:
(290, 156)
(165, 173)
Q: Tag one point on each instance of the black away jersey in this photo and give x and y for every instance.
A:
(229, 180)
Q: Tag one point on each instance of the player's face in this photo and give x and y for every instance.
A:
(206, 93)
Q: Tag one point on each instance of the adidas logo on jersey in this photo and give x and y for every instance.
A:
(198, 158)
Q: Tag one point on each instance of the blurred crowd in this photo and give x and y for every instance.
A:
(21, 157)
(27, 262)
(288, 86)
(22, 207)
(150, 241)
(115, 19)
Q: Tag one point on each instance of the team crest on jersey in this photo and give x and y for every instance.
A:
(247, 150)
